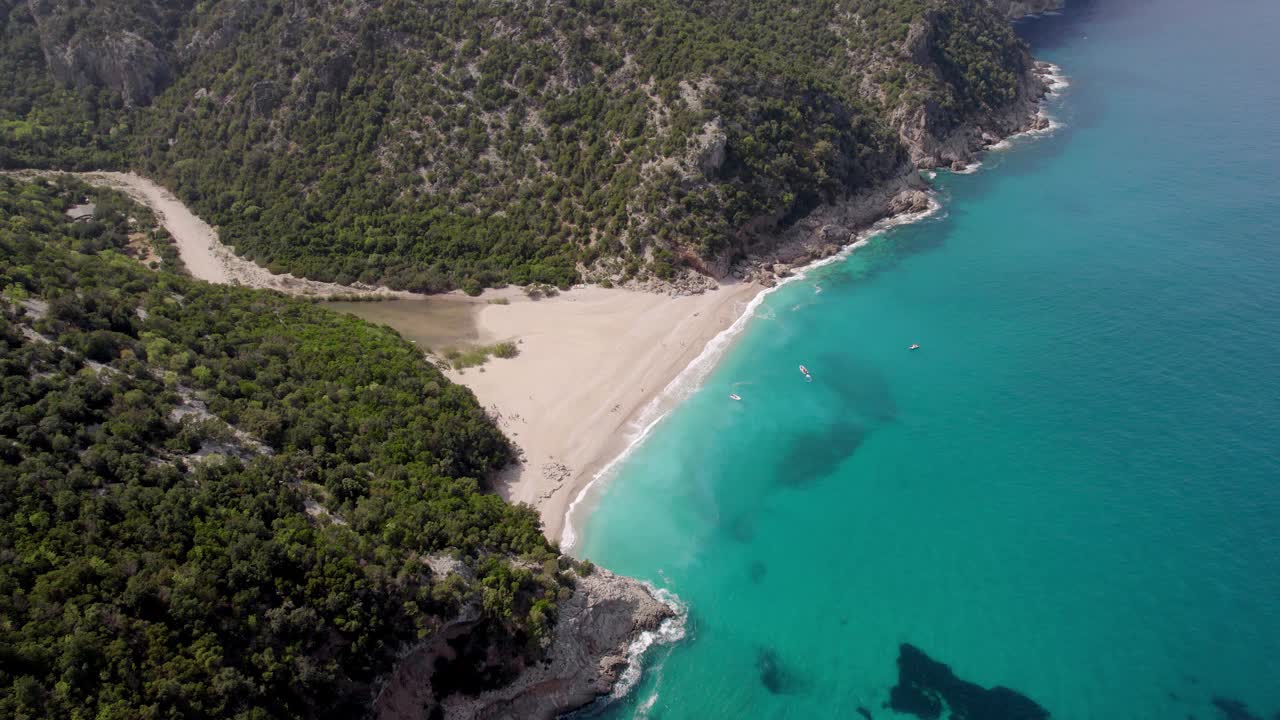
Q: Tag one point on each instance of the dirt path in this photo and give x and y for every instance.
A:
(198, 245)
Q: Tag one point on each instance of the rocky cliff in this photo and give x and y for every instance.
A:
(935, 133)
(125, 48)
(599, 633)
(429, 145)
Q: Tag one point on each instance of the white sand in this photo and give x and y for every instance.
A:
(590, 361)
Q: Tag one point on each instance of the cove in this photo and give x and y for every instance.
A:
(1072, 489)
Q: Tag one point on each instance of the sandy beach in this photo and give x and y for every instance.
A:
(591, 359)
(590, 362)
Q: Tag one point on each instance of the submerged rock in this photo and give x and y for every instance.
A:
(924, 685)
(1233, 709)
(772, 675)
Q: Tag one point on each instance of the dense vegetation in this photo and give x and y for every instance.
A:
(431, 144)
(216, 502)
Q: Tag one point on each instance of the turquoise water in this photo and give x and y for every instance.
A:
(1073, 488)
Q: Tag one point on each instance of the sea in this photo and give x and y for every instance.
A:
(1071, 490)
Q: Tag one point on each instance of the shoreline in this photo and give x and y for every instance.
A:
(592, 365)
(689, 379)
(600, 368)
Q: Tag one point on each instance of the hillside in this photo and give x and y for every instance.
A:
(430, 144)
(224, 503)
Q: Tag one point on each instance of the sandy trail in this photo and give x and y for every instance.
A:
(198, 245)
(591, 359)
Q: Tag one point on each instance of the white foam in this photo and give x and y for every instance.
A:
(1056, 82)
(670, 631)
(690, 379)
(642, 711)
(1056, 78)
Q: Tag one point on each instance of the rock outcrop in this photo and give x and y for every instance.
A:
(599, 632)
(127, 49)
(934, 137)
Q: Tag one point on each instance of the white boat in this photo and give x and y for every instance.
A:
(804, 370)
(734, 396)
(914, 346)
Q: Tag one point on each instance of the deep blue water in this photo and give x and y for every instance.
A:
(1073, 488)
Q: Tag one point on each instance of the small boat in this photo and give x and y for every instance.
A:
(804, 370)
(914, 346)
(734, 396)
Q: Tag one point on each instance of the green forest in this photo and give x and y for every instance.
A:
(216, 502)
(439, 144)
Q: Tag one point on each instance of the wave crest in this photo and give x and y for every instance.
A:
(672, 630)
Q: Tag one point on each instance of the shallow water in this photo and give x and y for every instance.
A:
(1073, 488)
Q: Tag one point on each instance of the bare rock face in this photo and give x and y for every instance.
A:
(125, 49)
(710, 148)
(599, 631)
(909, 201)
(920, 39)
(124, 62)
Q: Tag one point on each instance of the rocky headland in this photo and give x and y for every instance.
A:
(600, 633)
(830, 228)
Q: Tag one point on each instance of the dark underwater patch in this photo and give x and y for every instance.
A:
(758, 571)
(925, 686)
(1233, 709)
(815, 455)
(864, 712)
(773, 676)
(861, 388)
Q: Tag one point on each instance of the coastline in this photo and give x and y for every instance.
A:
(599, 368)
(557, 497)
(593, 363)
